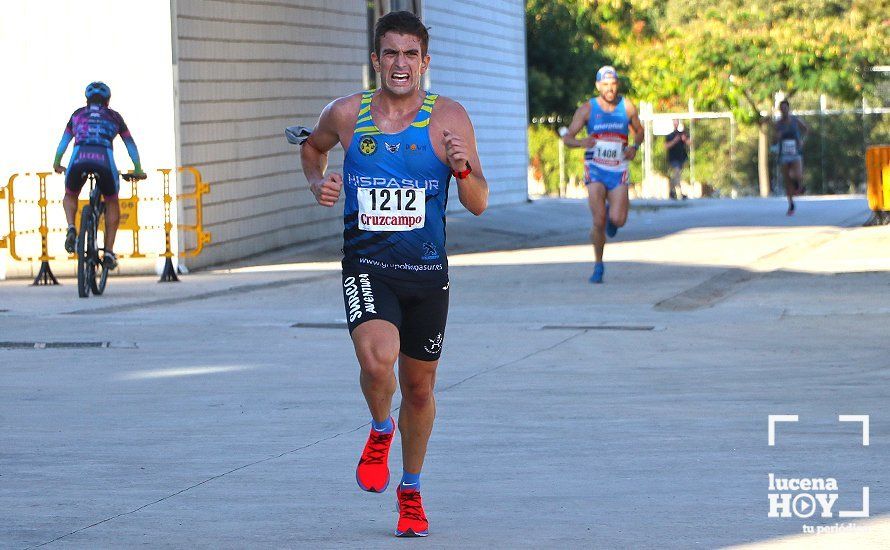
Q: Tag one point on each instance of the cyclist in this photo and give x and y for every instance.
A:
(93, 128)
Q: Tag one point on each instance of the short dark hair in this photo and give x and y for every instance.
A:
(785, 101)
(401, 22)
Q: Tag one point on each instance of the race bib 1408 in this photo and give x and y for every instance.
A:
(608, 152)
(388, 209)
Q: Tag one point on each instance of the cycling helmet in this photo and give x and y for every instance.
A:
(98, 90)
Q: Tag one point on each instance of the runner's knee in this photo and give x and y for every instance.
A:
(417, 392)
(599, 221)
(377, 357)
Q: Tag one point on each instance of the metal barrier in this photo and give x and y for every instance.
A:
(129, 221)
(877, 169)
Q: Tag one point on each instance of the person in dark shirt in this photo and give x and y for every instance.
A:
(677, 145)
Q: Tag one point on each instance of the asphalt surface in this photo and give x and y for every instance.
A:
(224, 411)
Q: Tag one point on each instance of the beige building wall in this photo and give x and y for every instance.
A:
(246, 70)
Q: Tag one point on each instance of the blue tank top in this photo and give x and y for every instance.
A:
(396, 192)
(610, 129)
(789, 129)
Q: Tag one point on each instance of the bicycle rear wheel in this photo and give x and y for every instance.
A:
(86, 251)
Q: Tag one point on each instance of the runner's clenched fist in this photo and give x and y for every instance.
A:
(327, 190)
(456, 151)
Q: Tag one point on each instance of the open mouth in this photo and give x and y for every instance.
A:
(400, 78)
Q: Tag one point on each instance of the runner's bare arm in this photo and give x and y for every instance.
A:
(636, 127)
(453, 131)
(579, 120)
(314, 157)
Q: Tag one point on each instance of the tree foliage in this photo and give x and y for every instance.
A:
(736, 54)
(564, 46)
(671, 50)
(725, 54)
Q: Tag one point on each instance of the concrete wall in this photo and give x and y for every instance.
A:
(246, 70)
(477, 50)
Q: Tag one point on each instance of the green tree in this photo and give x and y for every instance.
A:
(737, 54)
(565, 48)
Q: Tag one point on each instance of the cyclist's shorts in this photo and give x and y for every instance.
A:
(595, 174)
(418, 310)
(95, 159)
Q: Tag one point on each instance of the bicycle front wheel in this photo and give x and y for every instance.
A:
(97, 283)
(100, 274)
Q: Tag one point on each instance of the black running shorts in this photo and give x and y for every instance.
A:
(419, 311)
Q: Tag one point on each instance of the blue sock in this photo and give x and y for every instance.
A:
(386, 426)
(411, 481)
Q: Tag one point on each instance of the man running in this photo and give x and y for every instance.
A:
(608, 119)
(402, 147)
(789, 137)
(93, 129)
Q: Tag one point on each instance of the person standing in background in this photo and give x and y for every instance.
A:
(677, 146)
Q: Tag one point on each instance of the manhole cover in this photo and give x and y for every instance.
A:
(64, 345)
(340, 325)
(599, 327)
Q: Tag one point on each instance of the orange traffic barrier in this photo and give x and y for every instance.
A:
(877, 169)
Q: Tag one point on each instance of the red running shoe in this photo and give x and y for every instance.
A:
(372, 473)
(412, 520)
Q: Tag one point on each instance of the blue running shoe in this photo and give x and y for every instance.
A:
(599, 269)
(611, 228)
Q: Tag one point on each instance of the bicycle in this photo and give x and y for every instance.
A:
(92, 272)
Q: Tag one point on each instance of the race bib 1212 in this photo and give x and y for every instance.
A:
(391, 209)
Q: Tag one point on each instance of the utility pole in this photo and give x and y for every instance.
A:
(823, 103)
(691, 143)
(562, 169)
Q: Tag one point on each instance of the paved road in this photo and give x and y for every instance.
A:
(627, 415)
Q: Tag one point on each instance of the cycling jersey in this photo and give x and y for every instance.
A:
(396, 191)
(93, 129)
(96, 125)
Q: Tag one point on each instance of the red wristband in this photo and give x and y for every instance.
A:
(462, 175)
